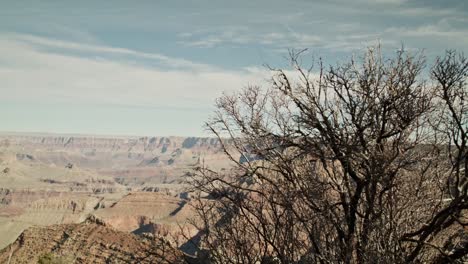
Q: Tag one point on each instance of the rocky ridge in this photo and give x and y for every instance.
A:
(89, 242)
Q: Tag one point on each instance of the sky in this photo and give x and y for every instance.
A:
(156, 67)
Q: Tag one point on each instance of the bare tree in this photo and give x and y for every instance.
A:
(362, 162)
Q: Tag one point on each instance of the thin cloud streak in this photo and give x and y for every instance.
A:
(54, 43)
(29, 73)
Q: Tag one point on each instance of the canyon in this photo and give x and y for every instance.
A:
(134, 186)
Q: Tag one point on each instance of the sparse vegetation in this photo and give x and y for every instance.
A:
(50, 258)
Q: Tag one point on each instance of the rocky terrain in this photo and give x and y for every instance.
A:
(134, 185)
(89, 242)
(133, 162)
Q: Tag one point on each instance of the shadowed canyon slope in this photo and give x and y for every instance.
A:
(133, 184)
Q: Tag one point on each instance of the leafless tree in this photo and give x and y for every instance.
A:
(363, 162)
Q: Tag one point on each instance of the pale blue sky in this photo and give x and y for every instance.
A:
(155, 67)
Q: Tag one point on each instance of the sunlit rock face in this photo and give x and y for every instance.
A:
(134, 184)
(91, 241)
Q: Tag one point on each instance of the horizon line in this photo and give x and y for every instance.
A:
(97, 135)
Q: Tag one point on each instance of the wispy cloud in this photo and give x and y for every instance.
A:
(30, 73)
(158, 55)
(54, 44)
(443, 32)
(430, 31)
(335, 25)
(283, 38)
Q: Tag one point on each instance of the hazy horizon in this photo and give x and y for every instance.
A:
(97, 135)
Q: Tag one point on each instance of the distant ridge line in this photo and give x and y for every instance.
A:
(53, 134)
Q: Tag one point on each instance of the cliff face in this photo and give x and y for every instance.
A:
(53, 179)
(104, 144)
(143, 159)
(88, 242)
